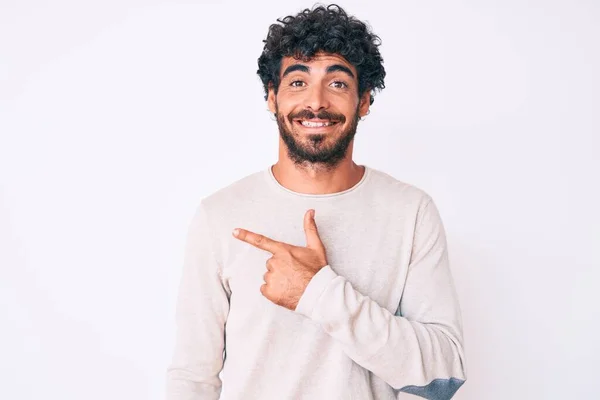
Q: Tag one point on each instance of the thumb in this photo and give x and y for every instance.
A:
(310, 228)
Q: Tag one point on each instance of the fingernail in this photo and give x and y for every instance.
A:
(236, 232)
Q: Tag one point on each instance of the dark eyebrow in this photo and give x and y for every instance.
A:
(341, 68)
(330, 69)
(295, 67)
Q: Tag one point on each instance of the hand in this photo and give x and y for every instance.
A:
(291, 268)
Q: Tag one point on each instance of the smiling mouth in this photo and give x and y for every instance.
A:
(315, 123)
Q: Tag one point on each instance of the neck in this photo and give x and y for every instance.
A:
(317, 179)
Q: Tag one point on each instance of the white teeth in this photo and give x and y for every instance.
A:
(315, 124)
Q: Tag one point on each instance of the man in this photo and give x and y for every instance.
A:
(317, 278)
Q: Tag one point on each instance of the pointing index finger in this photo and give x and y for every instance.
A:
(260, 241)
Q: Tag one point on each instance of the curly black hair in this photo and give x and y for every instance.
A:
(323, 29)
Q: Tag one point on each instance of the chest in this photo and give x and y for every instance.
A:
(371, 248)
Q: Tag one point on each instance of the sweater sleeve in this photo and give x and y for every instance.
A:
(201, 312)
(417, 350)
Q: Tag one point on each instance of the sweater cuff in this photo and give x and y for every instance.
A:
(314, 290)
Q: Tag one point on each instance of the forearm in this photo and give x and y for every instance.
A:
(408, 355)
(183, 385)
(201, 314)
(419, 349)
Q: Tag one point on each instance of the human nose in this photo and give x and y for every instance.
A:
(316, 98)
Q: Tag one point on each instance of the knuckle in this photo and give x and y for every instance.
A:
(288, 250)
(258, 239)
(295, 253)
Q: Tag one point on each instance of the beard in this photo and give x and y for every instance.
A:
(314, 150)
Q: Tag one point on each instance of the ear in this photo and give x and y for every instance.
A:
(364, 103)
(271, 99)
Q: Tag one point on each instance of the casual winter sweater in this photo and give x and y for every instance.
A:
(381, 318)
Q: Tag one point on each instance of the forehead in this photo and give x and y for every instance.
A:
(318, 63)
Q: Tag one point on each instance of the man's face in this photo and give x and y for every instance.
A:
(317, 108)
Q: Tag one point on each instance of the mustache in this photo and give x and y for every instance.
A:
(323, 114)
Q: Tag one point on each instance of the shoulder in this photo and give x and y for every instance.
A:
(234, 195)
(386, 187)
(236, 199)
(407, 202)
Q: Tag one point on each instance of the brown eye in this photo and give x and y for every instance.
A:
(339, 84)
(296, 83)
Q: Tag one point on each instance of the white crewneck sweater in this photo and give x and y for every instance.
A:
(382, 318)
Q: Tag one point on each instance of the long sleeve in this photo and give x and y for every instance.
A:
(418, 349)
(201, 314)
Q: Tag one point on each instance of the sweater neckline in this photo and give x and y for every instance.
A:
(279, 187)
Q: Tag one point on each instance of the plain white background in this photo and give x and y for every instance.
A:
(116, 118)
